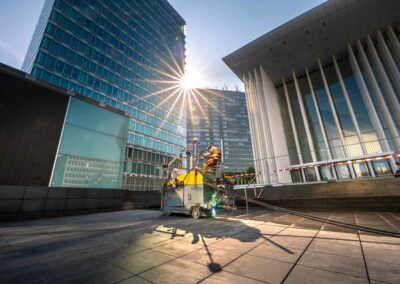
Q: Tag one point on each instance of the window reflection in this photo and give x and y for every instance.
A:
(310, 174)
(300, 127)
(382, 167)
(361, 170)
(325, 172)
(343, 172)
(296, 176)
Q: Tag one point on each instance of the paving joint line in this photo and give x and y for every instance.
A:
(394, 216)
(362, 249)
(388, 222)
(179, 257)
(336, 272)
(245, 252)
(304, 251)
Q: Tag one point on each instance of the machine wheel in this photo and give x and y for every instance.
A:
(196, 212)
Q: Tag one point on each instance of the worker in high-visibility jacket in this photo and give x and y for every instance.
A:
(212, 156)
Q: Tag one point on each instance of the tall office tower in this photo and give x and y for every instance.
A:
(220, 114)
(117, 52)
(323, 93)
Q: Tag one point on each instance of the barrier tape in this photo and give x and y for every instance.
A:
(342, 162)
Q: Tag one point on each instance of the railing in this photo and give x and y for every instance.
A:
(353, 160)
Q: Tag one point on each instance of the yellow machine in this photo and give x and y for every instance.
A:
(196, 192)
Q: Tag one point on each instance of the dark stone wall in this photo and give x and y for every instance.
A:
(379, 194)
(31, 119)
(29, 202)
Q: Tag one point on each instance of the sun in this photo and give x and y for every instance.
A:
(191, 80)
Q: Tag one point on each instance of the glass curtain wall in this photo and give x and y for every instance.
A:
(287, 127)
(298, 119)
(82, 160)
(367, 130)
(312, 117)
(352, 147)
(327, 116)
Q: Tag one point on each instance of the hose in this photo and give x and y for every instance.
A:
(322, 220)
(315, 218)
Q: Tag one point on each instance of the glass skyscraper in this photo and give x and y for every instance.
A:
(323, 93)
(117, 52)
(221, 114)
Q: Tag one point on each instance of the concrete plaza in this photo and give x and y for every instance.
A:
(141, 246)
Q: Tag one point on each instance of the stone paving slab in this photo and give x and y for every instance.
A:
(142, 246)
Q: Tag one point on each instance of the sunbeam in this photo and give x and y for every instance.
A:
(177, 94)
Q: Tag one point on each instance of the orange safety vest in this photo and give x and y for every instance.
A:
(214, 152)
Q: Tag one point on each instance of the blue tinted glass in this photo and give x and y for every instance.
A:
(92, 147)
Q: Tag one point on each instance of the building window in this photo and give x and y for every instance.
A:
(296, 176)
(325, 172)
(342, 172)
(361, 170)
(382, 168)
(310, 174)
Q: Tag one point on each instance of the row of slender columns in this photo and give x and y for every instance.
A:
(266, 127)
(266, 131)
(352, 114)
(263, 121)
(365, 95)
(306, 125)
(335, 116)
(253, 126)
(280, 155)
(294, 128)
(383, 77)
(320, 122)
(378, 96)
(393, 71)
(394, 45)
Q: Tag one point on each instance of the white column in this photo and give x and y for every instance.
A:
(383, 77)
(348, 104)
(306, 125)
(253, 130)
(265, 141)
(249, 117)
(262, 127)
(333, 109)
(394, 73)
(327, 153)
(295, 133)
(268, 147)
(367, 100)
(394, 43)
(352, 115)
(273, 111)
(379, 98)
(256, 122)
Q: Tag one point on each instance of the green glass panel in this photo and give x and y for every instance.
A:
(92, 148)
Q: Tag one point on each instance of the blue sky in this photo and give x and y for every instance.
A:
(214, 29)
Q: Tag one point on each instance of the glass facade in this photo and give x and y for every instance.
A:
(324, 105)
(287, 127)
(365, 125)
(92, 148)
(342, 134)
(115, 52)
(223, 115)
(298, 120)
